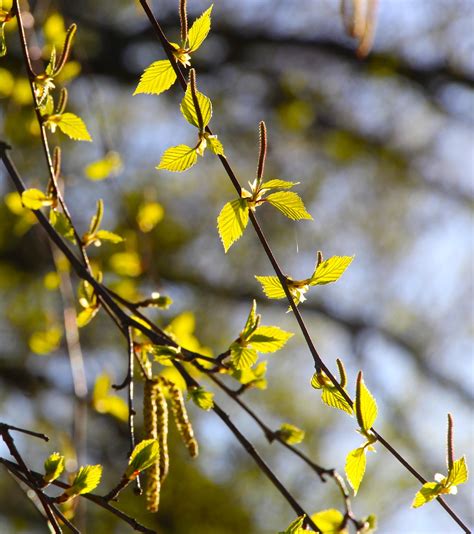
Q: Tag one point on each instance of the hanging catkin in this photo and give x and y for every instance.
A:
(180, 416)
(150, 422)
(162, 427)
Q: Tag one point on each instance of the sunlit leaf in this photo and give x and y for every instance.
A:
(202, 398)
(459, 473)
(254, 377)
(271, 287)
(269, 338)
(215, 145)
(178, 158)
(290, 204)
(232, 221)
(330, 270)
(199, 30)
(105, 402)
(329, 521)
(156, 78)
(332, 397)
(188, 109)
(291, 434)
(105, 235)
(355, 467)
(277, 183)
(242, 357)
(35, 199)
(71, 125)
(86, 480)
(427, 493)
(295, 527)
(144, 455)
(85, 316)
(53, 467)
(252, 321)
(365, 405)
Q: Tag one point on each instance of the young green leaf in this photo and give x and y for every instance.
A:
(269, 338)
(329, 521)
(215, 146)
(252, 322)
(330, 270)
(295, 527)
(85, 316)
(71, 125)
(86, 480)
(97, 218)
(330, 395)
(53, 467)
(271, 287)
(277, 183)
(105, 235)
(254, 378)
(458, 474)
(34, 199)
(188, 108)
(157, 78)
(291, 434)
(428, 492)
(365, 405)
(199, 30)
(355, 467)
(232, 221)
(144, 455)
(242, 357)
(202, 398)
(290, 204)
(62, 225)
(178, 158)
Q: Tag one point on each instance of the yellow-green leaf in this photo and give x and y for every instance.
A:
(86, 480)
(332, 397)
(178, 158)
(252, 377)
(144, 455)
(188, 109)
(427, 493)
(156, 78)
(105, 235)
(291, 434)
(329, 521)
(295, 527)
(355, 467)
(199, 30)
(97, 218)
(365, 405)
(109, 165)
(290, 204)
(73, 126)
(458, 474)
(232, 221)
(215, 145)
(271, 287)
(85, 316)
(277, 183)
(202, 398)
(53, 467)
(242, 357)
(62, 225)
(269, 338)
(330, 270)
(35, 199)
(252, 322)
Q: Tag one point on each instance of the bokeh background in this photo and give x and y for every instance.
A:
(383, 148)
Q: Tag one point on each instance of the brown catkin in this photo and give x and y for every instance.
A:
(71, 32)
(162, 424)
(150, 423)
(181, 419)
